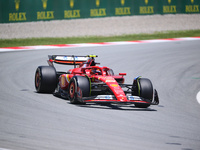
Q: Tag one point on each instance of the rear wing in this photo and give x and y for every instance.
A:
(68, 59)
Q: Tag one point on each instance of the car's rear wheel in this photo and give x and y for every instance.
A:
(45, 79)
(143, 87)
(79, 87)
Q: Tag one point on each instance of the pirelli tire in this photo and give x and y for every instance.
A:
(45, 79)
(143, 87)
(79, 87)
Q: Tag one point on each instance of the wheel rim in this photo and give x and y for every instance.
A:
(37, 80)
(72, 90)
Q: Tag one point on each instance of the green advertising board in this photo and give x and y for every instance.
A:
(44, 10)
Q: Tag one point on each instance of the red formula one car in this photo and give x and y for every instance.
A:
(90, 83)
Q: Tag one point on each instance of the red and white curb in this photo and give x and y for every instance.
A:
(39, 47)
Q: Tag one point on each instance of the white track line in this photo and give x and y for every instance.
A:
(39, 47)
(4, 149)
(198, 97)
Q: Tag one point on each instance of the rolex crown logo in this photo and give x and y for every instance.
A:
(44, 4)
(192, 1)
(97, 3)
(17, 4)
(122, 2)
(146, 2)
(71, 3)
(169, 1)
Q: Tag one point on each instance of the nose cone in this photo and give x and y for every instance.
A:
(122, 98)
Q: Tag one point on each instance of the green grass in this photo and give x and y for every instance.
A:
(94, 39)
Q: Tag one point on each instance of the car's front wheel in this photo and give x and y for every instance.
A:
(143, 87)
(79, 87)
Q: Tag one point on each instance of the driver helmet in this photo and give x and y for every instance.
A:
(96, 71)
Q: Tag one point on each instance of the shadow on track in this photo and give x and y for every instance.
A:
(115, 107)
(124, 107)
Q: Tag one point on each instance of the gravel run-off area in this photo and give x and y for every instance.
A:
(109, 26)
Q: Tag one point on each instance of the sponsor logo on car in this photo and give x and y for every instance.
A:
(114, 85)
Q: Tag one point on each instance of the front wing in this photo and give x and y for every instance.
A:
(112, 99)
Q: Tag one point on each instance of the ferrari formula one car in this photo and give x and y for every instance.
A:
(89, 83)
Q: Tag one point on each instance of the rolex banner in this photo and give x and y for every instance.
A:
(43, 10)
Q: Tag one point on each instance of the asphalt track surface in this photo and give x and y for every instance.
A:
(33, 121)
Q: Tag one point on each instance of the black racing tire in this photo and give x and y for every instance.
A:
(45, 79)
(79, 87)
(143, 88)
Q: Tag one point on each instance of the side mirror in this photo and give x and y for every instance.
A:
(122, 74)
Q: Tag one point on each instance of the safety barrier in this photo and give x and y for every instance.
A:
(37, 10)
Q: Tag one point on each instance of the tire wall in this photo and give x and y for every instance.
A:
(44, 10)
